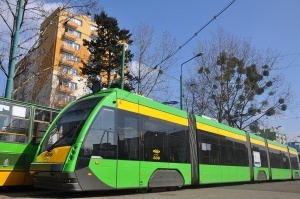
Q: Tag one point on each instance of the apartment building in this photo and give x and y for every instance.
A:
(273, 134)
(51, 74)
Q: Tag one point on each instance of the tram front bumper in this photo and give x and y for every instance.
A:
(56, 180)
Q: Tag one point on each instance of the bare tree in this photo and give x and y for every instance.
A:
(236, 83)
(151, 78)
(34, 12)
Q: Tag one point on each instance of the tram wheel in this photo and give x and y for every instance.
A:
(172, 188)
(143, 190)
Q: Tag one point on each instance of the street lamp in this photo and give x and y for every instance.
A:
(181, 89)
(276, 128)
(170, 102)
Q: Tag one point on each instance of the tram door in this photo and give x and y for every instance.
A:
(128, 153)
(153, 149)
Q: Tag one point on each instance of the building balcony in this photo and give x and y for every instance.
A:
(68, 49)
(65, 76)
(64, 89)
(71, 24)
(67, 62)
(69, 36)
(62, 103)
(94, 33)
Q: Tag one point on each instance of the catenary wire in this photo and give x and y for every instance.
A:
(196, 34)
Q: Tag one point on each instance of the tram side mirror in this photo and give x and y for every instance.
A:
(96, 87)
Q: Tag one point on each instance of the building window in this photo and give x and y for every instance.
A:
(72, 71)
(71, 44)
(74, 32)
(68, 43)
(64, 84)
(70, 57)
(77, 21)
(76, 46)
(66, 98)
(93, 28)
(88, 90)
(71, 85)
(63, 97)
(93, 38)
(64, 70)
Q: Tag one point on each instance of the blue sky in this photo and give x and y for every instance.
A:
(270, 24)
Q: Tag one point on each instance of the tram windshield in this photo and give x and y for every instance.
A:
(68, 126)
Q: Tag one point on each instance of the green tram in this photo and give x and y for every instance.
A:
(114, 139)
(22, 126)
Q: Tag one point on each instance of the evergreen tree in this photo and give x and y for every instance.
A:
(106, 54)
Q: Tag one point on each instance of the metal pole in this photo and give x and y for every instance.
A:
(181, 86)
(181, 90)
(122, 69)
(14, 50)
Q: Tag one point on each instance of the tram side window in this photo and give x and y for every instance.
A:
(14, 123)
(39, 130)
(178, 148)
(42, 115)
(219, 150)
(231, 152)
(279, 159)
(228, 156)
(42, 119)
(100, 140)
(4, 115)
(155, 141)
(210, 149)
(128, 137)
(224, 156)
(285, 160)
(241, 152)
(261, 154)
(275, 159)
(294, 162)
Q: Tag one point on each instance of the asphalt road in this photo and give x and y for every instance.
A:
(270, 190)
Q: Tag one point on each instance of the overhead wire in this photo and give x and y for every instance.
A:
(196, 33)
(291, 64)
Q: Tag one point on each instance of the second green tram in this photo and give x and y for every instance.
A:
(22, 126)
(114, 139)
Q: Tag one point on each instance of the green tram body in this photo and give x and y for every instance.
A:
(114, 139)
(22, 126)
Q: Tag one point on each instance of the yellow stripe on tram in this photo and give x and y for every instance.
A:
(128, 106)
(272, 146)
(293, 152)
(219, 131)
(133, 107)
(258, 142)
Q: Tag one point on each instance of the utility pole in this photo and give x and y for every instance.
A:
(122, 66)
(181, 86)
(14, 49)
